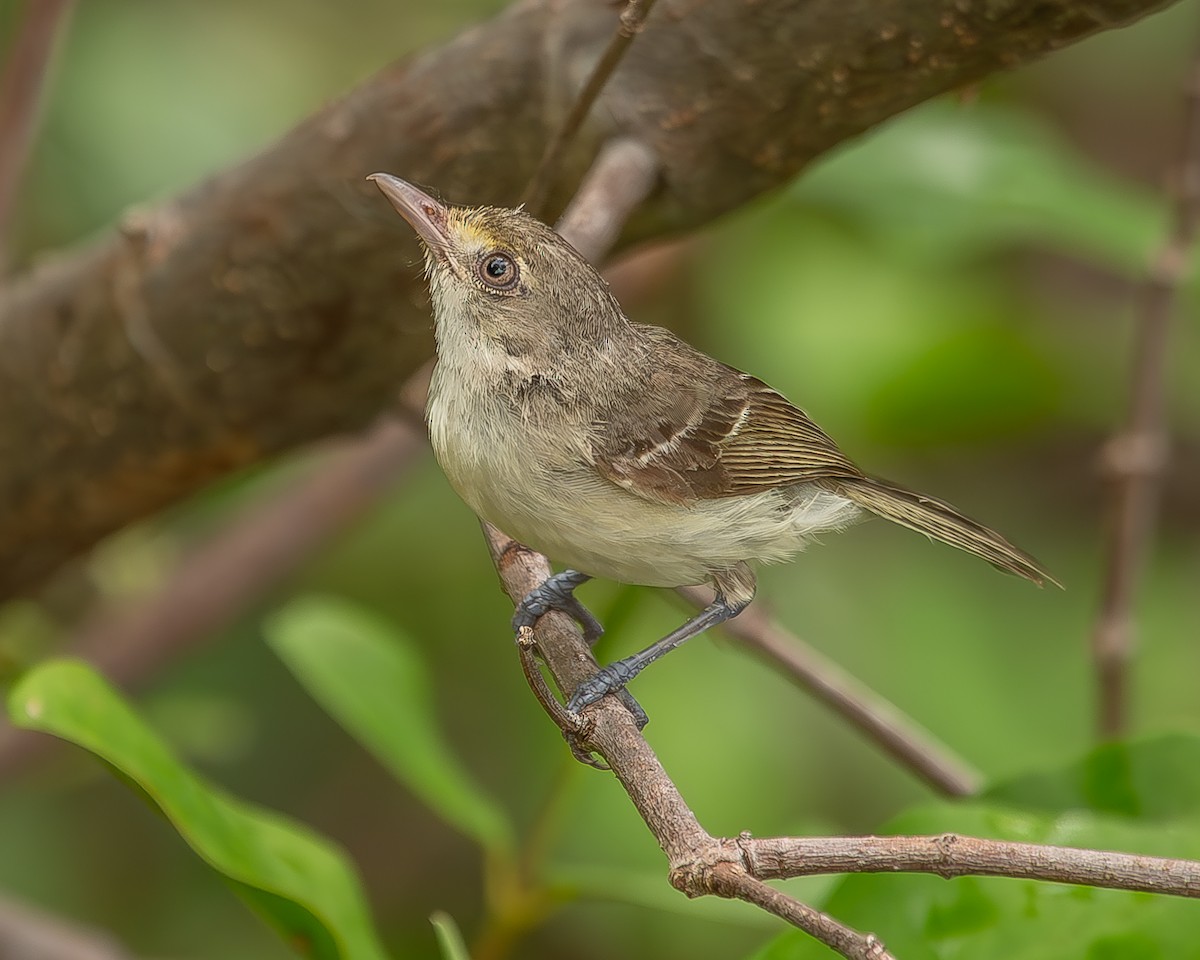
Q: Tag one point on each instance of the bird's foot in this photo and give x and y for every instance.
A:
(557, 593)
(594, 688)
(606, 680)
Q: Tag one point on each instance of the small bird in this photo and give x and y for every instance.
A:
(618, 449)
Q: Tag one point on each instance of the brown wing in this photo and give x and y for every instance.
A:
(695, 429)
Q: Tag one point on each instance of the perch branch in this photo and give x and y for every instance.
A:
(698, 862)
(1135, 459)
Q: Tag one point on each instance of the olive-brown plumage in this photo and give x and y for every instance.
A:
(617, 448)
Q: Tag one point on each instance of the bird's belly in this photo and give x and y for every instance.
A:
(558, 512)
(581, 520)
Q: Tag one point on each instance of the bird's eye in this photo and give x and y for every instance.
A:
(498, 271)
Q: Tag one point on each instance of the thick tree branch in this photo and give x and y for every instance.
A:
(273, 303)
(1136, 457)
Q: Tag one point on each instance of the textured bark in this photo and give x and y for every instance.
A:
(279, 302)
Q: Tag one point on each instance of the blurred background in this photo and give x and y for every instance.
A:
(951, 297)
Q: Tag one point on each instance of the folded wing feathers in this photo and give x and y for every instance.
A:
(942, 522)
(750, 438)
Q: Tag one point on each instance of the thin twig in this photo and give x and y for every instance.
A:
(1136, 457)
(729, 880)
(567, 722)
(21, 86)
(629, 25)
(898, 735)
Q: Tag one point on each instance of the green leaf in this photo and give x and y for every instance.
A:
(1140, 798)
(371, 678)
(1151, 779)
(299, 882)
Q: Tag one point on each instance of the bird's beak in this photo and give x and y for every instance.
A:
(424, 214)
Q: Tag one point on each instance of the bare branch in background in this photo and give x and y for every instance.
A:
(629, 25)
(881, 722)
(1135, 459)
(21, 84)
(624, 172)
(258, 546)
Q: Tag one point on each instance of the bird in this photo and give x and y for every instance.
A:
(616, 448)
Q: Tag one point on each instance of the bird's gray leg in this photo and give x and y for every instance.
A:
(735, 589)
(612, 678)
(558, 593)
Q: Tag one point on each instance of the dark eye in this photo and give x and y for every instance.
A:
(498, 271)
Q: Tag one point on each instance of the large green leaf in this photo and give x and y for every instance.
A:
(299, 882)
(372, 679)
(1139, 798)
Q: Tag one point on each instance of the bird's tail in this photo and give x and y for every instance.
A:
(940, 521)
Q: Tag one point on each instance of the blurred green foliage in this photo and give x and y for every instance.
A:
(951, 297)
(300, 885)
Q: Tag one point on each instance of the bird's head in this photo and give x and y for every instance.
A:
(501, 271)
